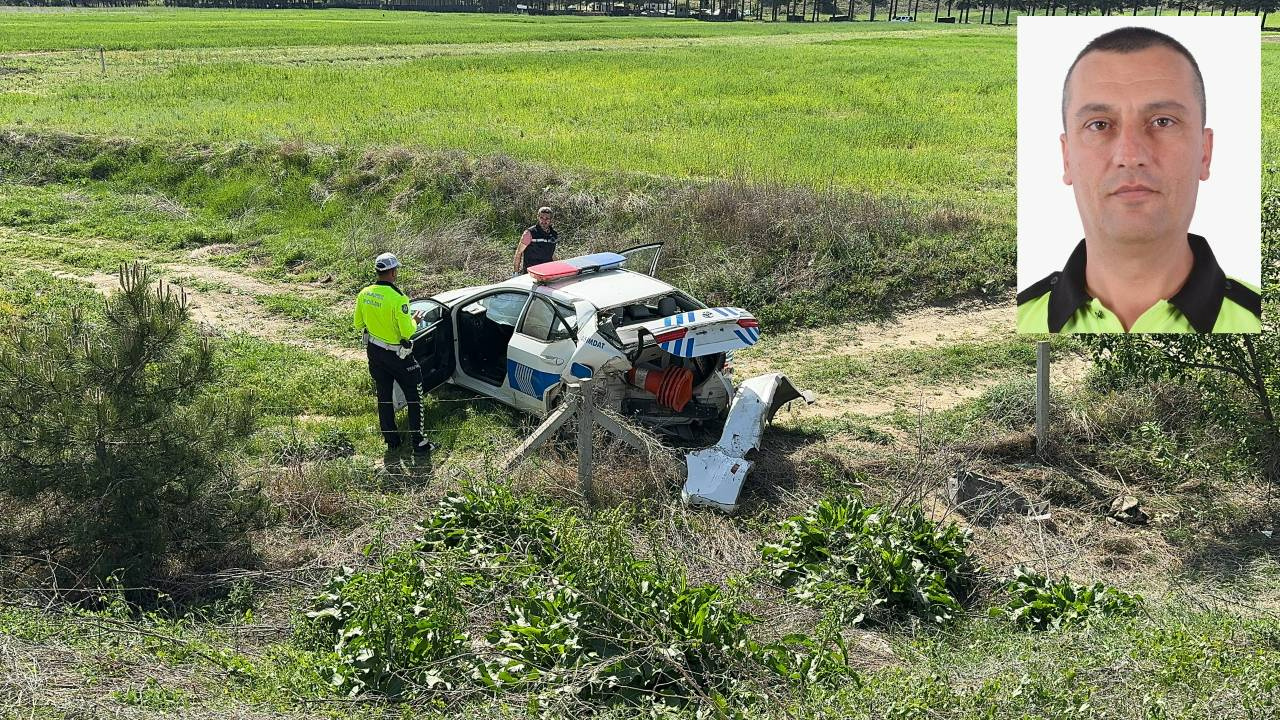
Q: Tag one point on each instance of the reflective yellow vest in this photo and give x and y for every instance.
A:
(383, 311)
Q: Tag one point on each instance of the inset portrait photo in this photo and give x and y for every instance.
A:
(1139, 174)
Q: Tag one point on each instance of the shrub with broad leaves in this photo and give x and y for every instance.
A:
(1038, 603)
(579, 616)
(870, 563)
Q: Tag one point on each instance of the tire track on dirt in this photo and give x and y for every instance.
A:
(225, 301)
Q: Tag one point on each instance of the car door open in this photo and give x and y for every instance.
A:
(643, 258)
(433, 342)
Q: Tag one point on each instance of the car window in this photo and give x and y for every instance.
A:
(431, 312)
(654, 308)
(504, 307)
(547, 321)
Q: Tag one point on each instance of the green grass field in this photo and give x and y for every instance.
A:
(157, 28)
(925, 112)
(857, 113)
(256, 158)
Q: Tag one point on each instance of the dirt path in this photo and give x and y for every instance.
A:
(230, 302)
(234, 311)
(225, 300)
(925, 328)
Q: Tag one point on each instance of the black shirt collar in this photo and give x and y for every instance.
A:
(389, 284)
(1200, 298)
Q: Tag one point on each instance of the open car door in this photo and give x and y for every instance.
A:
(643, 258)
(433, 343)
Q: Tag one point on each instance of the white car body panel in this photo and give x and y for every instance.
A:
(708, 331)
(716, 473)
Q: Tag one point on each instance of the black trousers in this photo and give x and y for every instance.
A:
(386, 367)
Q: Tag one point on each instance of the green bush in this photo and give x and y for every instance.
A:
(1038, 603)
(113, 442)
(872, 561)
(395, 627)
(579, 615)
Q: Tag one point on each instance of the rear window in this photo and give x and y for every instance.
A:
(654, 308)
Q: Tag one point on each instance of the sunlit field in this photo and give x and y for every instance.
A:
(923, 113)
(156, 28)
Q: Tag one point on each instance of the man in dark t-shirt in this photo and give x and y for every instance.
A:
(538, 243)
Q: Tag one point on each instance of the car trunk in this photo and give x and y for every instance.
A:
(678, 379)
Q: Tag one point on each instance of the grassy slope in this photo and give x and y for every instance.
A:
(792, 256)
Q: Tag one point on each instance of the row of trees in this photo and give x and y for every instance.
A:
(990, 11)
(777, 10)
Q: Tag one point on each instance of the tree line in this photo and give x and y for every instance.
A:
(990, 11)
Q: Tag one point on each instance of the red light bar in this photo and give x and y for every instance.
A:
(749, 323)
(560, 269)
(669, 336)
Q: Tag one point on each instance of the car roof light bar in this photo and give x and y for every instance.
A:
(573, 267)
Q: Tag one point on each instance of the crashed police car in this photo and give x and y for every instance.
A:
(655, 354)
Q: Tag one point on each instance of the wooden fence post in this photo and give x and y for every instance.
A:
(578, 403)
(1042, 397)
(102, 59)
(586, 422)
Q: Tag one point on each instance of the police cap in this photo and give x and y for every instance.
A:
(385, 262)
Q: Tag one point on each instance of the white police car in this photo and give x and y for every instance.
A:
(655, 353)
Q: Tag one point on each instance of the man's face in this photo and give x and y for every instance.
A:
(544, 219)
(1134, 150)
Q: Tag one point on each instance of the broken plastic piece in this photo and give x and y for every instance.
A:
(716, 473)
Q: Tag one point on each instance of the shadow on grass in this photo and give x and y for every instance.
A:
(777, 476)
(1230, 556)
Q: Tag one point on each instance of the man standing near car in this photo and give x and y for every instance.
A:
(538, 243)
(382, 314)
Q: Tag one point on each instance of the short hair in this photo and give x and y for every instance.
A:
(544, 209)
(1130, 40)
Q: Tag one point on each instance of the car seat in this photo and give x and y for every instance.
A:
(637, 312)
(667, 306)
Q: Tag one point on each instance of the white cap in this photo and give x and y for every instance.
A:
(385, 262)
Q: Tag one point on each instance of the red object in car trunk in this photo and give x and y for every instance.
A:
(673, 386)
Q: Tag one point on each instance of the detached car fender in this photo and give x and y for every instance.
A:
(716, 473)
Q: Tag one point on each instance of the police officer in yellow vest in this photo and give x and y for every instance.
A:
(382, 313)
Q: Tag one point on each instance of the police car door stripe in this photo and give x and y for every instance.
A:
(688, 348)
(724, 312)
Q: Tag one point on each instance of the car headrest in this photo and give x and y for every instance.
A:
(667, 306)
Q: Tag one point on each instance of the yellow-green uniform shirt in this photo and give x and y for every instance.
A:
(383, 311)
(1209, 301)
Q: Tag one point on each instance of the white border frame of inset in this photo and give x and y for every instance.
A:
(1229, 207)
